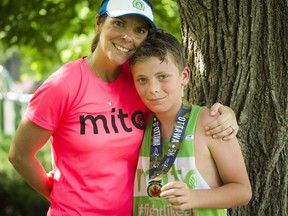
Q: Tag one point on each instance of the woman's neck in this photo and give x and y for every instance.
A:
(102, 67)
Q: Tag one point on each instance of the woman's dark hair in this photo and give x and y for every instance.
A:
(102, 19)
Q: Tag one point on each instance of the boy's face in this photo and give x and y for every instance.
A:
(159, 84)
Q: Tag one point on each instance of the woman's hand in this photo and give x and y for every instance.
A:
(225, 126)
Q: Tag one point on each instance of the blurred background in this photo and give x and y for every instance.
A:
(36, 38)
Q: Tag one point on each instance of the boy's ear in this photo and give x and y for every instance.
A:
(185, 76)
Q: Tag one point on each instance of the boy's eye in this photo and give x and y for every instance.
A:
(161, 77)
(142, 80)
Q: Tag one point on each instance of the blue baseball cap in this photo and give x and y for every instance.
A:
(117, 8)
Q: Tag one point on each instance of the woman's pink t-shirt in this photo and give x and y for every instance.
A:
(95, 146)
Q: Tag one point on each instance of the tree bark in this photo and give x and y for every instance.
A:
(238, 55)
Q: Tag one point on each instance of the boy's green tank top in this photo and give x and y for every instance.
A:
(183, 169)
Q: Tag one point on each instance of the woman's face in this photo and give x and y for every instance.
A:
(119, 37)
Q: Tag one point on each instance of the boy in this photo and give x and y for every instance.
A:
(181, 171)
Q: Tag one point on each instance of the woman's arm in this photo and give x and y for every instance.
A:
(30, 138)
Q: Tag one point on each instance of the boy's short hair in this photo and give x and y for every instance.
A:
(159, 44)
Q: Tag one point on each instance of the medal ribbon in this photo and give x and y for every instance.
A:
(160, 165)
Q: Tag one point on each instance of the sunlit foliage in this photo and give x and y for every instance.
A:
(44, 34)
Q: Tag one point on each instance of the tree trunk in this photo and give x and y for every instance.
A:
(238, 55)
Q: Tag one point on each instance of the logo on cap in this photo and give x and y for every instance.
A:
(138, 4)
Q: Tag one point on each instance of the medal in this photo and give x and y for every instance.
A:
(159, 163)
(154, 189)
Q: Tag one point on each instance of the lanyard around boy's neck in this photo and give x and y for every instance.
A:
(160, 165)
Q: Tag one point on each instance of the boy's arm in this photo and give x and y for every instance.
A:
(229, 162)
(236, 189)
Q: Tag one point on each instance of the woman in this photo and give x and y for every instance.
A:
(94, 118)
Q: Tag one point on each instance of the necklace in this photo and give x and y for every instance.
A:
(108, 86)
(109, 101)
(159, 163)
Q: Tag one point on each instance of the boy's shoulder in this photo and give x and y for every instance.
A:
(205, 117)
